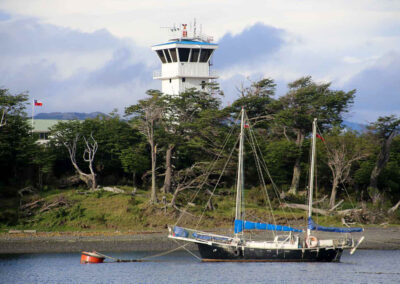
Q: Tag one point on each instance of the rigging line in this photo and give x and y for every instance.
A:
(164, 253)
(216, 184)
(188, 251)
(208, 172)
(262, 179)
(344, 187)
(357, 216)
(263, 163)
(274, 186)
(260, 176)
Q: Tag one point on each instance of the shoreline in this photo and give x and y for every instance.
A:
(67, 242)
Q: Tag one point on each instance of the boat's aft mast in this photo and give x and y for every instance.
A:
(240, 176)
(311, 185)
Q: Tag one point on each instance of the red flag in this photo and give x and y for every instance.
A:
(38, 103)
(320, 137)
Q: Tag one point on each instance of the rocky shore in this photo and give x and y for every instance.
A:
(57, 242)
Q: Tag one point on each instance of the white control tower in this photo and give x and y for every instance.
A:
(185, 61)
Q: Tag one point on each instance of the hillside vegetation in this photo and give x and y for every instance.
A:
(175, 147)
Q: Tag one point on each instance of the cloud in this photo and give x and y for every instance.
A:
(249, 46)
(70, 70)
(378, 89)
(4, 16)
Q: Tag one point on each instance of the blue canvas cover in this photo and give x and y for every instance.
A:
(241, 225)
(315, 227)
(209, 238)
(180, 232)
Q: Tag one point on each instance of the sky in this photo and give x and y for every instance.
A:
(95, 55)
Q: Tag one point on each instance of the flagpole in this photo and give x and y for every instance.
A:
(33, 111)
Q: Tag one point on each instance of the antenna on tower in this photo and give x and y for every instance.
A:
(194, 28)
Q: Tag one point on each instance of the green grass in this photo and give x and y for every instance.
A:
(106, 211)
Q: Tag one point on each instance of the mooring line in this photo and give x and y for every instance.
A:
(189, 251)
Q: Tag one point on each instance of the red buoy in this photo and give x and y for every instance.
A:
(91, 257)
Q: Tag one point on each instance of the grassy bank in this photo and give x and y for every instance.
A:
(80, 210)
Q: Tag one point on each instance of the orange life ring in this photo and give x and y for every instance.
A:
(311, 242)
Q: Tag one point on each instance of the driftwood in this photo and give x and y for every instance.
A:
(394, 208)
(32, 205)
(337, 205)
(321, 200)
(322, 211)
(111, 189)
(28, 189)
(59, 202)
(305, 207)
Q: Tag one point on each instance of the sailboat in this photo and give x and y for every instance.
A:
(288, 244)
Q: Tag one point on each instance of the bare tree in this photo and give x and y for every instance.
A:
(191, 178)
(385, 128)
(342, 151)
(88, 156)
(3, 118)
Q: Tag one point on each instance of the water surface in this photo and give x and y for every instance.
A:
(365, 266)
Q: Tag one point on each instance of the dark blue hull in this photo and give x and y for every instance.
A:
(227, 253)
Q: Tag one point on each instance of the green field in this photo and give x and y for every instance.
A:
(81, 210)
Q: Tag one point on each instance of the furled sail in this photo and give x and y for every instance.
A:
(315, 227)
(241, 225)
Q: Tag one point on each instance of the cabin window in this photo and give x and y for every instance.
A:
(167, 55)
(160, 54)
(183, 54)
(205, 55)
(195, 55)
(173, 54)
(203, 85)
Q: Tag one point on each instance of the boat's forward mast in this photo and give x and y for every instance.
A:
(311, 185)
(240, 175)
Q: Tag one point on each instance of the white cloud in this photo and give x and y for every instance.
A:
(336, 41)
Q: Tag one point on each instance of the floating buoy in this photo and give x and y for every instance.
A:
(91, 257)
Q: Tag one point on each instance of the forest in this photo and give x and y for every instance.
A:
(162, 148)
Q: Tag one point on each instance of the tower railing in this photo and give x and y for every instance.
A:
(159, 74)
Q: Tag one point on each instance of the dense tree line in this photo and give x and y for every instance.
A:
(167, 144)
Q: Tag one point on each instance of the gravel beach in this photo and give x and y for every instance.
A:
(41, 242)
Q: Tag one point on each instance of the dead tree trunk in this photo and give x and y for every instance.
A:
(153, 198)
(3, 118)
(394, 208)
(383, 158)
(168, 169)
(297, 169)
(332, 199)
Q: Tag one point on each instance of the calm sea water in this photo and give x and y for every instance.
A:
(365, 266)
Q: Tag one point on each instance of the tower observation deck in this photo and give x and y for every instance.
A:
(185, 62)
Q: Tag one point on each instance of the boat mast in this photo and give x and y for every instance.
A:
(240, 176)
(311, 185)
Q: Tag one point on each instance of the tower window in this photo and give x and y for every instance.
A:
(205, 55)
(183, 79)
(195, 55)
(170, 81)
(167, 55)
(160, 54)
(173, 54)
(183, 54)
(203, 85)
